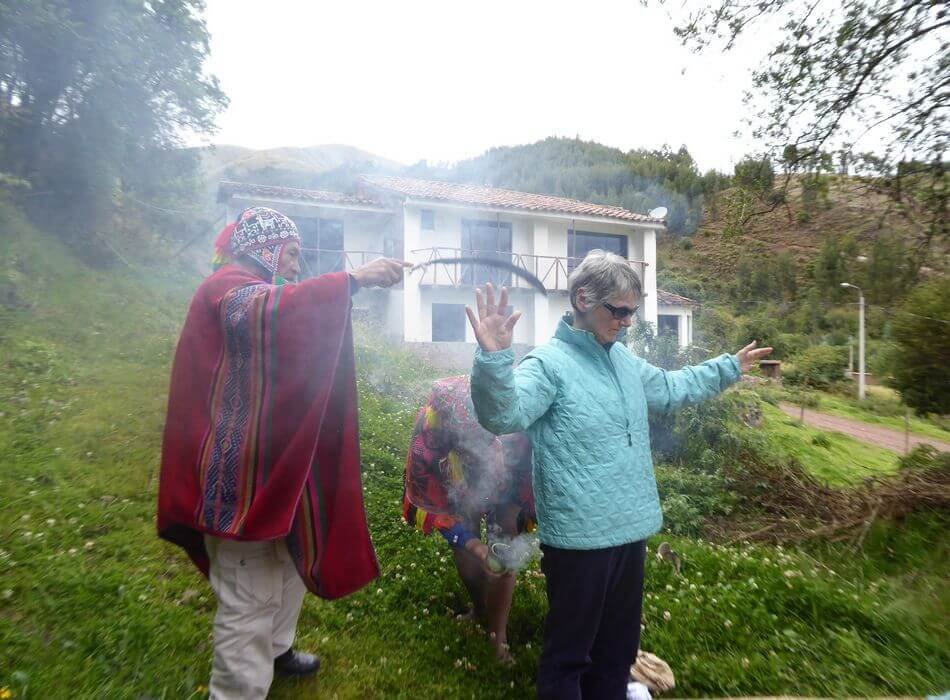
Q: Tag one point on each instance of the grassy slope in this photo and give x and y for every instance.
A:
(851, 210)
(93, 605)
(843, 461)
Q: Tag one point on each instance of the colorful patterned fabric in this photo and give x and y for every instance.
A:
(456, 471)
(261, 440)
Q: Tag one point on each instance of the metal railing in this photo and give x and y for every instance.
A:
(553, 271)
(316, 261)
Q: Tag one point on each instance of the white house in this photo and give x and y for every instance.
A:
(421, 220)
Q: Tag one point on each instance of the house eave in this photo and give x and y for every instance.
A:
(532, 213)
(240, 196)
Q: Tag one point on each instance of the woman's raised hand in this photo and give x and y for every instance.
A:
(493, 330)
(749, 356)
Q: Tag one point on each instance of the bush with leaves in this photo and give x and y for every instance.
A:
(920, 366)
(716, 329)
(818, 367)
(925, 457)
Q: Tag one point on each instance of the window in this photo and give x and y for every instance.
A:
(668, 325)
(487, 239)
(428, 220)
(580, 243)
(319, 241)
(448, 323)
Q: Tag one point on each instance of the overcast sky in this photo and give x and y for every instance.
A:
(444, 81)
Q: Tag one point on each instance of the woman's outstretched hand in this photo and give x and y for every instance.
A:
(493, 330)
(749, 356)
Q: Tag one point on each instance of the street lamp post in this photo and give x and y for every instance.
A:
(860, 338)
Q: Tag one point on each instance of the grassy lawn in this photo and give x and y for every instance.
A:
(93, 605)
(838, 459)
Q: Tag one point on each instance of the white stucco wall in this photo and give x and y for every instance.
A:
(408, 311)
(684, 316)
(520, 300)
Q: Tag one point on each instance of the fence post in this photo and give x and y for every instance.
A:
(906, 430)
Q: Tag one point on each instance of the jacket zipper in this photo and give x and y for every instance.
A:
(613, 374)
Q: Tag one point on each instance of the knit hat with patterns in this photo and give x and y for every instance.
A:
(259, 233)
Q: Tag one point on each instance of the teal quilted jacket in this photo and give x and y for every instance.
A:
(585, 409)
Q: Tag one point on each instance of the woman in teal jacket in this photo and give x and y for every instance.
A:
(583, 399)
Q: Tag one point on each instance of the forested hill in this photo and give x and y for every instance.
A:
(638, 180)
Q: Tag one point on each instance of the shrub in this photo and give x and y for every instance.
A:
(716, 329)
(689, 496)
(818, 367)
(925, 457)
(921, 370)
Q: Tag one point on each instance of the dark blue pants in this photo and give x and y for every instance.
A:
(592, 632)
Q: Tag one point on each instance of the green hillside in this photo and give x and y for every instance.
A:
(329, 166)
(93, 605)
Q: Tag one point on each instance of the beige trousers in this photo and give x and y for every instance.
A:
(259, 596)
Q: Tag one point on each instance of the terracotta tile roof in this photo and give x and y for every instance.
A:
(671, 299)
(228, 189)
(482, 195)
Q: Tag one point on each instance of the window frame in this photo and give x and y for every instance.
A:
(572, 234)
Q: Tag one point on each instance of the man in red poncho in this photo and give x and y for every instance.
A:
(260, 479)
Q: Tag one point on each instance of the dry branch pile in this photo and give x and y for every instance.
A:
(791, 505)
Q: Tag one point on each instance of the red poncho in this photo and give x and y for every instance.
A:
(262, 437)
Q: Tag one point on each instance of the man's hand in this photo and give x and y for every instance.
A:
(382, 272)
(749, 356)
(493, 330)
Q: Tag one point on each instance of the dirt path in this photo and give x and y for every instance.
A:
(874, 434)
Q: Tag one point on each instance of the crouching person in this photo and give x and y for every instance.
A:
(459, 475)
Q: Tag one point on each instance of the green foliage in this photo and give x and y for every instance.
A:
(638, 180)
(690, 497)
(93, 605)
(755, 174)
(832, 266)
(922, 335)
(765, 326)
(818, 367)
(716, 329)
(736, 207)
(877, 63)
(661, 350)
(889, 271)
(926, 457)
(765, 279)
(102, 92)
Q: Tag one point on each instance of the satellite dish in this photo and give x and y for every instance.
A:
(658, 213)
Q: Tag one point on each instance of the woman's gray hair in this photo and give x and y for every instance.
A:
(603, 275)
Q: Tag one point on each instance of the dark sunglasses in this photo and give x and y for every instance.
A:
(621, 313)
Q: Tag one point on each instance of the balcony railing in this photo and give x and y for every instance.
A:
(553, 271)
(317, 261)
